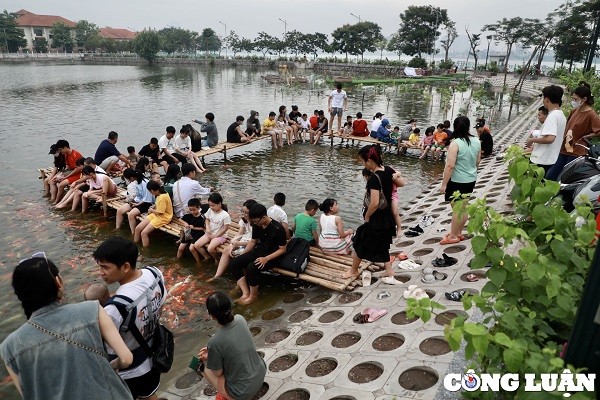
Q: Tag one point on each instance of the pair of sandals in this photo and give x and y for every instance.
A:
(429, 275)
(444, 261)
(415, 292)
(457, 295)
(452, 240)
(414, 231)
(369, 315)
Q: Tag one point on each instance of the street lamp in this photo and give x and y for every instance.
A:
(5, 40)
(437, 15)
(489, 39)
(357, 17)
(284, 33)
(224, 36)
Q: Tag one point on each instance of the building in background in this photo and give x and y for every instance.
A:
(38, 26)
(118, 34)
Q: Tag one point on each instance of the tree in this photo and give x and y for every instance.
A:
(147, 44)
(40, 45)
(94, 42)
(244, 44)
(233, 41)
(313, 42)
(572, 33)
(294, 42)
(451, 35)
(264, 43)
(61, 37)
(510, 32)
(419, 29)
(10, 33)
(395, 44)
(381, 45)
(474, 42)
(83, 31)
(356, 39)
(208, 41)
(177, 40)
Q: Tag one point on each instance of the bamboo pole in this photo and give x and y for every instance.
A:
(311, 279)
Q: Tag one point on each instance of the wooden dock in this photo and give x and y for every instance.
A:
(323, 269)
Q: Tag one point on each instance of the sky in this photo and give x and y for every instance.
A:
(247, 18)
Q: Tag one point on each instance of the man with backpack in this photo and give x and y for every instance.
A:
(134, 309)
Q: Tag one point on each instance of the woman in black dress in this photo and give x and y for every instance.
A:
(373, 238)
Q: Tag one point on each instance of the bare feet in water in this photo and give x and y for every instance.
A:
(349, 274)
(246, 300)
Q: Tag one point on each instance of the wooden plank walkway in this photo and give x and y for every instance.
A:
(323, 269)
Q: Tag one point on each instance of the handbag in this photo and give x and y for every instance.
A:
(383, 204)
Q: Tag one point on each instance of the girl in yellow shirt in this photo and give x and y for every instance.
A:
(159, 214)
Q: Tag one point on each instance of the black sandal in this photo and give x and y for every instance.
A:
(457, 295)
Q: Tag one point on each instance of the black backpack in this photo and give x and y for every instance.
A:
(296, 255)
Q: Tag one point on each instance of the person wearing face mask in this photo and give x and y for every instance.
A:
(583, 122)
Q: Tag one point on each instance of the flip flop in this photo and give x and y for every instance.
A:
(376, 313)
(448, 261)
(366, 278)
(472, 278)
(383, 295)
(456, 295)
(408, 265)
(449, 240)
(401, 256)
(439, 276)
(360, 318)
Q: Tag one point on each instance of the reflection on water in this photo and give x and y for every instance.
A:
(82, 103)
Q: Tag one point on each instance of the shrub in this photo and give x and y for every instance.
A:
(417, 62)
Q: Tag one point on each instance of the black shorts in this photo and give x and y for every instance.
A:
(182, 159)
(168, 160)
(463, 188)
(143, 207)
(145, 385)
(84, 188)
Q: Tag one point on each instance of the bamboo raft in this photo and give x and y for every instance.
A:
(323, 269)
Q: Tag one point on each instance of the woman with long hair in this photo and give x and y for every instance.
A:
(460, 174)
(59, 352)
(373, 238)
(583, 122)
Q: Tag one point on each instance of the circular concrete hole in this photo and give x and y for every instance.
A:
(293, 297)
(295, 394)
(263, 390)
(432, 240)
(300, 316)
(331, 316)
(272, 314)
(479, 186)
(255, 330)
(343, 398)
(418, 212)
(351, 297)
(365, 372)
(418, 378)
(406, 208)
(447, 316)
(492, 195)
(422, 252)
(402, 278)
(444, 202)
(283, 363)
(388, 342)
(345, 340)
(434, 346)
(491, 201)
(408, 220)
(401, 319)
(446, 221)
(454, 249)
(209, 391)
(309, 337)
(405, 243)
(430, 293)
(495, 189)
(277, 336)
(439, 209)
(479, 274)
(321, 367)
(320, 298)
(424, 206)
(188, 380)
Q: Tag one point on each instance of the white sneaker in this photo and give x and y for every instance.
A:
(390, 280)
(205, 148)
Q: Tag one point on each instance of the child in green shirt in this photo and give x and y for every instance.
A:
(305, 225)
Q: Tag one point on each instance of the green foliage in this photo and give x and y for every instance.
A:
(209, 41)
(177, 40)
(419, 30)
(356, 39)
(10, 34)
(571, 81)
(530, 300)
(572, 34)
(61, 37)
(40, 45)
(417, 62)
(84, 31)
(266, 43)
(446, 64)
(147, 44)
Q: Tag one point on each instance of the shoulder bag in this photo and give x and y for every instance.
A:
(383, 204)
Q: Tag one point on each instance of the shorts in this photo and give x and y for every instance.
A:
(84, 188)
(463, 188)
(394, 195)
(337, 111)
(143, 207)
(107, 161)
(182, 159)
(167, 159)
(144, 386)
(438, 146)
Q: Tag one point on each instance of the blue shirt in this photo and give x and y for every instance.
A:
(105, 150)
(143, 194)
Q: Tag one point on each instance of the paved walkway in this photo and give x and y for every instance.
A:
(314, 349)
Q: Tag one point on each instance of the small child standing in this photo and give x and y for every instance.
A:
(426, 142)
(195, 222)
(217, 224)
(278, 214)
(133, 157)
(305, 226)
(333, 238)
(97, 291)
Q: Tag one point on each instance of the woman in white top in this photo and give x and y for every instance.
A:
(333, 238)
(101, 188)
(239, 242)
(183, 147)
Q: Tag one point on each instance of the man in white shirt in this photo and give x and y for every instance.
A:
(337, 104)
(116, 259)
(186, 188)
(277, 213)
(166, 144)
(546, 145)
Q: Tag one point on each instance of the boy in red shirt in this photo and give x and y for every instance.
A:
(359, 126)
(439, 138)
(314, 120)
(73, 169)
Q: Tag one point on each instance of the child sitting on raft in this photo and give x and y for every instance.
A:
(141, 202)
(159, 214)
(194, 221)
(426, 142)
(101, 187)
(217, 224)
(333, 238)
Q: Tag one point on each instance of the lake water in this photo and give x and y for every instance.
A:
(42, 103)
